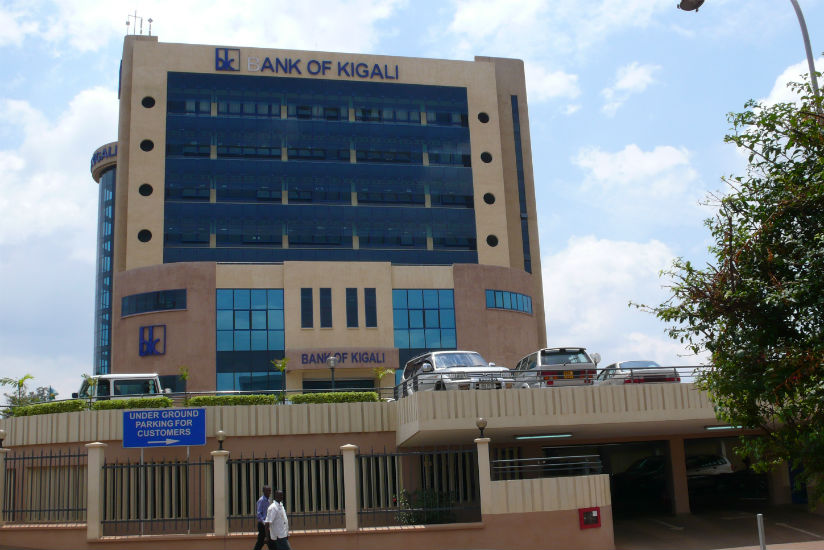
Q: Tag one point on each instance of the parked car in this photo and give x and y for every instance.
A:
(708, 465)
(119, 386)
(453, 370)
(551, 367)
(636, 372)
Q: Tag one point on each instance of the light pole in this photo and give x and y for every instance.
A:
(693, 5)
(332, 361)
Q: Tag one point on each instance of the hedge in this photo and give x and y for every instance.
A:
(336, 397)
(50, 408)
(227, 400)
(159, 402)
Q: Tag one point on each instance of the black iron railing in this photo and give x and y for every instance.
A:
(45, 486)
(158, 497)
(312, 487)
(418, 487)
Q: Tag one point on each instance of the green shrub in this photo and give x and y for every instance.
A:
(336, 397)
(50, 408)
(228, 400)
(159, 402)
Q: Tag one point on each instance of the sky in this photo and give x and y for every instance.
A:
(628, 103)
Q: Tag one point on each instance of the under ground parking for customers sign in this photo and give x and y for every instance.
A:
(164, 428)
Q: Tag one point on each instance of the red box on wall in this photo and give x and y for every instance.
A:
(589, 517)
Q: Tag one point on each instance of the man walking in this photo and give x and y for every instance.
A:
(277, 526)
(262, 507)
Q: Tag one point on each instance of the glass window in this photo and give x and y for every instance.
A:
(225, 340)
(259, 340)
(258, 299)
(162, 300)
(242, 342)
(225, 320)
(241, 299)
(370, 305)
(242, 319)
(306, 320)
(416, 327)
(352, 307)
(224, 298)
(514, 301)
(326, 307)
(259, 320)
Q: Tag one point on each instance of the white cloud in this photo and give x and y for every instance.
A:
(780, 93)
(46, 187)
(87, 25)
(14, 26)
(664, 171)
(542, 84)
(587, 287)
(629, 79)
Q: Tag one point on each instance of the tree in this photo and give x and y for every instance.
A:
(758, 307)
(19, 385)
(280, 365)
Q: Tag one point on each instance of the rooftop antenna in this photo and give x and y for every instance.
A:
(136, 18)
(150, 26)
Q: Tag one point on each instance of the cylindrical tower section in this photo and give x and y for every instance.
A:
(104, 170)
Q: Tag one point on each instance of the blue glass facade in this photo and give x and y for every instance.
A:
(161, 300)
(262, 169)
(103, 284)
(502, 299)
(250, 333)
(519, 165)
(424, 319)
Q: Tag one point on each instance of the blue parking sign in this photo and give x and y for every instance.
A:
(144, 428)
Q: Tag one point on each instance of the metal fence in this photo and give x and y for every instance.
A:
(312, 488)
(158, 497)
(556, 466)
(418, 487)
(45, 487)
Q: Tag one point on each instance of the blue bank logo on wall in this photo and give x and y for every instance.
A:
(152, 340)
(227, 59)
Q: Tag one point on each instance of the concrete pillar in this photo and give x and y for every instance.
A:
(678, 471)
(484, 475)
(220, 461)
(779, 486)
(94, 487)
(2, 480)
(350, 486)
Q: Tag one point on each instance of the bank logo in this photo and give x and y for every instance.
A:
(152, 340)
(227, 59)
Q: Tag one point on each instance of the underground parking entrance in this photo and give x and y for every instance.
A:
(642, 481)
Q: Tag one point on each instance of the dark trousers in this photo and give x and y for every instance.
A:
(261, 540)
(279, 544)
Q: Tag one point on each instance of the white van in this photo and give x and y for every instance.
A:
(121, 386)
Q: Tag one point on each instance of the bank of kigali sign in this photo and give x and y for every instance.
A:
(152, 340)
(228, 59)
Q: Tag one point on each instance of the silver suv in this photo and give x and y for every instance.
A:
(453, 370)
(551, 367)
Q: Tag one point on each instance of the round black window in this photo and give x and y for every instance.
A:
(492, 240)
(486, 157)
(144, 236)
(148, 102)
(489, 198)
(145, 189)
(147, 145)
(483, 117)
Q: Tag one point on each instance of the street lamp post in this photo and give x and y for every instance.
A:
(693, 5)
(332, 361)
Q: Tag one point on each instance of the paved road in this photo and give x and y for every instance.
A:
(786, 528)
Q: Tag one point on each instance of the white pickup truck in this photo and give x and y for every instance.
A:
(119, 386)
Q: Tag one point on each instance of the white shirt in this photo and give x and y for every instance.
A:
(276, 518)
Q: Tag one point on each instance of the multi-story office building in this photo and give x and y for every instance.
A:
(261, 204)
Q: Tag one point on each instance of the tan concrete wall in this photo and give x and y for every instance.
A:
(501, 336)
(240, 421)
(600, 412)
(550, 494)
(190, 334)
